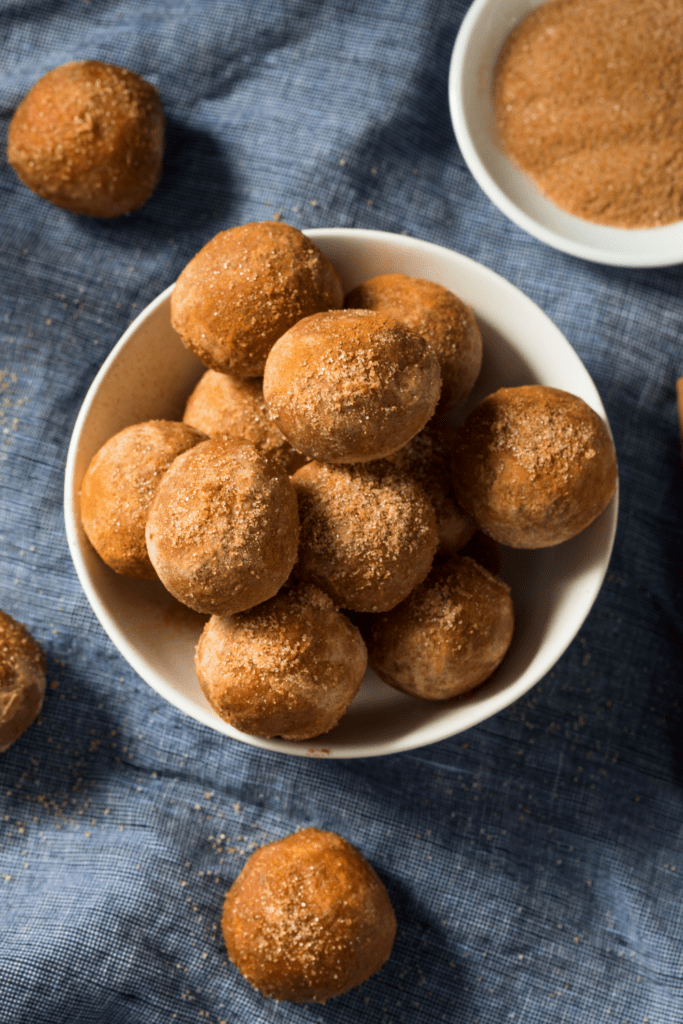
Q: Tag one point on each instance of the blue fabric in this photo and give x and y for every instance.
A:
(535, 862)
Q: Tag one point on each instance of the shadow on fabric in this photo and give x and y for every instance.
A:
(194, 190)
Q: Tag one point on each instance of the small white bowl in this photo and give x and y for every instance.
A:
(480, 39)
(149, 374)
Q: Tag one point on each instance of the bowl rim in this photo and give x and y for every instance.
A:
(477, 713)
(469, 27)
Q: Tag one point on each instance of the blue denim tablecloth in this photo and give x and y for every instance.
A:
(535, 862)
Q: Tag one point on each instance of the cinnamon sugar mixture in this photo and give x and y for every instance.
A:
(589, 103)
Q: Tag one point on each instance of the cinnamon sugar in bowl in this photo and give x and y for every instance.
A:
(604, 162)
(150, 375)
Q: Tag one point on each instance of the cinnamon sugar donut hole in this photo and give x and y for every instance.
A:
(89, 137)
(445, 322)
(449, 636)
(308, 918)
(22, 680)
(224, 404)
(223, 527)
(289, 667)
(534, 466)
(368, 533)
(245, 288)
(427, 458)
(118, 488)
(351, 385)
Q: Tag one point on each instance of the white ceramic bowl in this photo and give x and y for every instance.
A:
(149, 374)
(482, 34)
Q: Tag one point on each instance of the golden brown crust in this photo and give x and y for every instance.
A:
(118, 488)
(448, 637)
(308, 918)
(90, 138)
(446, 323)
(368, 533)
(245, 288)
(22, 680)
(427, 458)
(224, 404)
(351, 385)
(289, 667)
(223, 527)
(534, 466)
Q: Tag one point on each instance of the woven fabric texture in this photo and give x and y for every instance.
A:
(535, 862)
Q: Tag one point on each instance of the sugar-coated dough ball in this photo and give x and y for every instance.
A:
(223, 528)
(443, 320)
(368, 533)
(118, 488)
(224, 404)
(90, 138)
(289, 667)
(308, 918)
(351, 385)
(245, 288)
(427, 458)
(448, 636)
(533, 466)
(22, 680)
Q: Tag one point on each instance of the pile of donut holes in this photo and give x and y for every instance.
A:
(313, 503)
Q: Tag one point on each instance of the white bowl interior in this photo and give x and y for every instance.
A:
(480, 39)
(149, 374)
